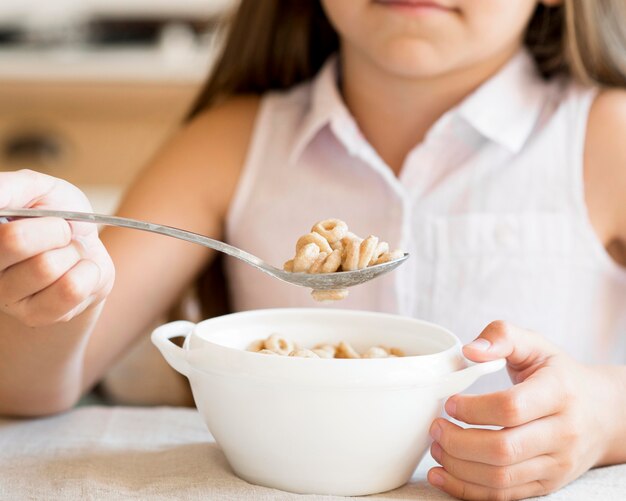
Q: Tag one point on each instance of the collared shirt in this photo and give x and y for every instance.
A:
(490, 207)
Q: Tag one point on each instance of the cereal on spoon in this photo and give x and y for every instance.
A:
(331, 247)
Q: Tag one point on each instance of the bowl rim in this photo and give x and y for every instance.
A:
(397, 372)
(269, 312)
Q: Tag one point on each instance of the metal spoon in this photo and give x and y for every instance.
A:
(338, 280)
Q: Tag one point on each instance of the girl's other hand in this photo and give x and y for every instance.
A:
(50, 270)
(556, 422)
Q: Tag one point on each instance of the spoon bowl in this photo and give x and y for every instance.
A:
(321, 281)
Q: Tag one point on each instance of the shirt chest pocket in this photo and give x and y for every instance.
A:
(527, 235)
(510, 266)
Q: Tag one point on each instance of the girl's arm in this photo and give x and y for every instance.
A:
(605, 191)
(188, 185)
(561, 417)
(53, 279)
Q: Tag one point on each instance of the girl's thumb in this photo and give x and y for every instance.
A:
(499, 339)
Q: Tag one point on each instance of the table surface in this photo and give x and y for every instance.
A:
(167, 453)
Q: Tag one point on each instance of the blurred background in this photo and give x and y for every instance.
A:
(89, 89)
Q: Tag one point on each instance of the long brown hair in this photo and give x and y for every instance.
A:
(275, 44)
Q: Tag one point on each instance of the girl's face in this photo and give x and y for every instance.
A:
(425, 38)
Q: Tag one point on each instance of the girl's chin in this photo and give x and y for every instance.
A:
(412, 60)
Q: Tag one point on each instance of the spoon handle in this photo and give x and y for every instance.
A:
(170, 231)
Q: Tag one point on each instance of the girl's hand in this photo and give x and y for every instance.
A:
(556, 422)
(50, 270)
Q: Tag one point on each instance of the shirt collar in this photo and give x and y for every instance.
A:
(504, 109)
(325, 106)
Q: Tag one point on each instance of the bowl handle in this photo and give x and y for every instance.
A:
(458, 381)
(175, 355)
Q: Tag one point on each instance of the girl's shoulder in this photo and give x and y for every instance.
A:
(224, 134)
(605, 160)
(236, 119)
(224, 127)
(605, 147)
(607, 118)
(203, 159)
(227, 117)
(215, 143)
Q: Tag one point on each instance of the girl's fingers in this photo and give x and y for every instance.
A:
(58, 301)
(27, 188)
(462, 489)
(24, 188)
(495, 477)
(26, 238)
(521, 348)
(50, 270)
(497, 447)
(542, 394)
(35, 274)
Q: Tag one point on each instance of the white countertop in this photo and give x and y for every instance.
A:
(108, 453)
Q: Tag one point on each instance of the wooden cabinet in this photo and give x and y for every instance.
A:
(88, 133)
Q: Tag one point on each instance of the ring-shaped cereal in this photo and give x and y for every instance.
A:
(351, 255)
(381, 249)
(304, 353)
(305, 258)
(332, 230)
(345, 350)
(390, 256)
(376, 352)
(316, 267)
(396, 352)
(267, 352)
(331, 247)
(279, 345)
(323, 353)
(366, 251)
(350, 236)
(341, 244)
(257, 345)
(313, 238)
(332, 262)
(338, 245)
(328, 348)
(329, 294)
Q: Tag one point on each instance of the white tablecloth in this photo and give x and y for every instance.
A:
(167, 453)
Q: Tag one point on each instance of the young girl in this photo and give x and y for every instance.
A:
(483, 137)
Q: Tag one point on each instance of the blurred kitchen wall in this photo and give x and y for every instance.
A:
(89, 89)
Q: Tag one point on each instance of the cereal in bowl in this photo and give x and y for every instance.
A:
(331, 247)
(278, 345)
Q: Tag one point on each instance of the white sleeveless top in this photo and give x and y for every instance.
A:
(490, 207)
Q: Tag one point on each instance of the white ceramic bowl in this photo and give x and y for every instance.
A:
(323, 426)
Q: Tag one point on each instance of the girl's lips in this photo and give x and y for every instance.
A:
(415, 6)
